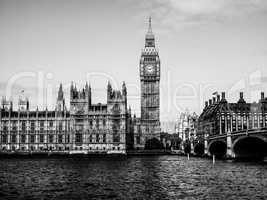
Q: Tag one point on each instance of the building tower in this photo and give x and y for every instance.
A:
(60, 107)
(150, 91)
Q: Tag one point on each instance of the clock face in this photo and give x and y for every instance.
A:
(116, 109)
(150, 69)
(74, 109)
(78, 109)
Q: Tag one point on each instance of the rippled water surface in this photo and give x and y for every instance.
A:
(157, 177)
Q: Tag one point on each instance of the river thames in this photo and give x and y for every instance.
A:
(154, 177)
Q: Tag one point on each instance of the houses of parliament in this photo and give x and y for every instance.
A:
(86, 127)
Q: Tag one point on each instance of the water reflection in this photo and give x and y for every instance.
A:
(156, 177)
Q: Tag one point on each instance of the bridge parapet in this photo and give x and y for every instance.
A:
(231, 140)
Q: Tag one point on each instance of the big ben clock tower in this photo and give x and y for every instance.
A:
(150, 89)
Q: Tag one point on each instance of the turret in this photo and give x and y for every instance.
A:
(88, 93)
(124, 89)
(223, 98)
(213, 100)
(218, 98)
(210, 102)
(60, 107)
(86, 87)
(117, 95)
(7, 105)
(80, 99)
(71, 91)
(130, 111)
(241, 98)
(23, 104)
(263, 99)
(60, 95)
(83, 94)
(262, 96)
(109, 91)
(206, 104)
(75, 92)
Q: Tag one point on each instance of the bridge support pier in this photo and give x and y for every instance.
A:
(206, 152)
(192, 147)
(229, 151)
(182, 146)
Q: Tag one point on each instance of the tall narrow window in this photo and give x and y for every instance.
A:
(51, 138)
(78, 138)
(67, 138)
(60, 139)
(32, 138)
(234, 123)
(32, 126)
(41, 138)
(250, 121)
(255, 121)
(60, 127)
(23, 138)
(14, 128)
(23, 126)
(244, 122)
(4, 139)
(261, 121)
(51, 124)
(239, 123)
(5, 127)
(42, 126)
(137, 139)
(14, 139)
(222, 124)
(104, 138)
(97, 123)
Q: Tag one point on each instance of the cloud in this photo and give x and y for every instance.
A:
(219, 8)
(180, 13)
(197, 7)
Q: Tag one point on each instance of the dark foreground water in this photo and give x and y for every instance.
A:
(158, 177)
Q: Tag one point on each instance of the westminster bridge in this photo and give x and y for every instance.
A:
(234, 130)
(239, 144)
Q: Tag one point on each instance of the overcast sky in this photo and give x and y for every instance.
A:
(213, 44)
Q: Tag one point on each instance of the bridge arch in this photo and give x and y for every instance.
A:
(153, 143)
(187, 147)
(250, 147)
(217, 148)
(199, 149)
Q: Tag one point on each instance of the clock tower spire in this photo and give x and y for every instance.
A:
(150, 38)
(150, 85)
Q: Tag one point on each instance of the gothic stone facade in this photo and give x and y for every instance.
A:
(99, 126)
(86, 128)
